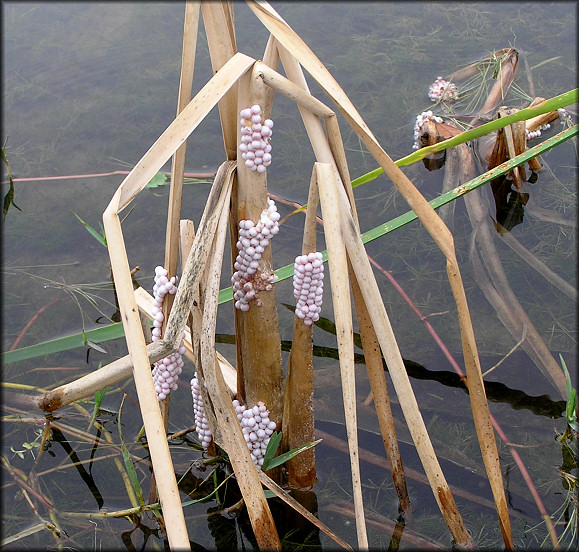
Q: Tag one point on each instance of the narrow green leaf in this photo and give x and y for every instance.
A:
(271, 449)
(98, 335)
(98, 236)
(132, 473)
(96, 347)
(279, 460)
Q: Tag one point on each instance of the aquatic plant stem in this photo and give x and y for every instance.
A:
(98, 175)
(260, 373)
(298, 411)
(154, 426)
(30, 322)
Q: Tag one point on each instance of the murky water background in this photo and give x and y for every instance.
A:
(89, 87)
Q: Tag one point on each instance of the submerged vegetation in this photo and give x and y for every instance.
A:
(347, 492)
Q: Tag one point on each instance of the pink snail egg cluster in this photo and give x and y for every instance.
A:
(166, 371)
(257, 428)
(309, 286)
(255, 424)
(420, 120)
(248, 280)
(530, 134)
(442, 90)
(255, 137)
(201, 425)
(564, 116)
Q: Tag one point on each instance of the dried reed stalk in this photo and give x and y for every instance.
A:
(220, 32)
(121, 368)
(271, 60)
(224, 424)
(370, 344)
(137, 179)
(338, 265)
(259, 369)
(298, 411)
(87, 385)
(190, 30)
(509, 68)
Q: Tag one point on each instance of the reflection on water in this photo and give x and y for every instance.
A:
(89, 87)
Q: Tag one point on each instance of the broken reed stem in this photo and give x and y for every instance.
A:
(257, 330)
(338, 268)
(298, 412)
(99, 379)
(220, 33)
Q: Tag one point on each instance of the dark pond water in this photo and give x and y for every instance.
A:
(88, 87)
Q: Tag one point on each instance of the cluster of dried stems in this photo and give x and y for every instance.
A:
(237, 193)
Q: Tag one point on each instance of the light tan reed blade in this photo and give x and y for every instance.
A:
(94, 381)
(298, 412)
(149, 406)
(183, 125)
(187, 238)
(370, 342)
(387, 340)
(292, 91)
(289, 500)
(220, 33)
(228, 431)
(190, 30)
(338, 265)
(271, 60)
(339, 154)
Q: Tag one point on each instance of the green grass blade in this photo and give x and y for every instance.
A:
(271, 449)
(132, 473)
(98, 236)
(553, 104)
(279, 460)
(98, 335)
